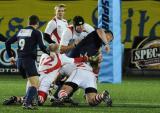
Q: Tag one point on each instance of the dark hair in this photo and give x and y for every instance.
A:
(78, 20)
(33, 20)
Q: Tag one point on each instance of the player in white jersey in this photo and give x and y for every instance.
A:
(83, 76)
(53, 33)
(49, 70)
(57, 25)
(74, 34)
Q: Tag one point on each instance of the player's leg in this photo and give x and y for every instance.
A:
(59, 82)
(46, 81)
(70, 85)
(66, 89)
(90, 86)
(13, 100)
(93, 98)
(32, 75)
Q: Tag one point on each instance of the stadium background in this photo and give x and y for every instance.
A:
(139, 18)
(134, 95)
(20, 9)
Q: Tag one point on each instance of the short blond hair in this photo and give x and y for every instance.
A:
(59, 6)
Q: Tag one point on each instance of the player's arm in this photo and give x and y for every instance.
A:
(41, 43)
(48, 38)
(106, 37)
(64, 49)
(8, 48)
(2, 38)
(64, 44)
(51, 26)
(65, 59)
(8, 45)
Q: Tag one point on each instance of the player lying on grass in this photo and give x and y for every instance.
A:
(91, 45)
(83, 75)
(49, 70)
(72, 36)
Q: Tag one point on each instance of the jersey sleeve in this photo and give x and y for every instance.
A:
(47, 38)
(66, 23)
(2, 38)
(66, 37)
(8, 44)
(41, 42)
(88, 28)
(51, 26)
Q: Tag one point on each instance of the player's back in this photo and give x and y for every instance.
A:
(27, 42)
(90, 45)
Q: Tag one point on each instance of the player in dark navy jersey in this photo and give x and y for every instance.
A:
(28, 39)
(91, 44)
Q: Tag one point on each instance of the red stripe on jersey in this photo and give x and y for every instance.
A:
(71, 28)
(58, 65)
(81, 59)
(80, 65)
(55, 33)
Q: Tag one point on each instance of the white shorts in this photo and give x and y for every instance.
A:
(83, 78)
(46, 80)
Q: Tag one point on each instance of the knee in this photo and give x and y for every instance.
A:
(90, 98)
(92, 102)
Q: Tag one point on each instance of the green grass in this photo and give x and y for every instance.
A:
(134, 95)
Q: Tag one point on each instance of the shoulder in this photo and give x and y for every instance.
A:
(52, 22)
(64, 20)
(88, 28)
(37, 33)
(27, 32)
(69, 29)
(87, 25)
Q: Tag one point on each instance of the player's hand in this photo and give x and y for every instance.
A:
(107, 48)
(52, 55)
(96, 58)
(53, 47)
(12, 61)
(100, 57)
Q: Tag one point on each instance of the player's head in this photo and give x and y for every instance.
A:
(59, 10)
(34, 21)
(78, 23)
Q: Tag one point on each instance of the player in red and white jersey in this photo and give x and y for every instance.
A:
(84, 77)
(57, 25)
(74, 34)
(49, 65)
(49, 70)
